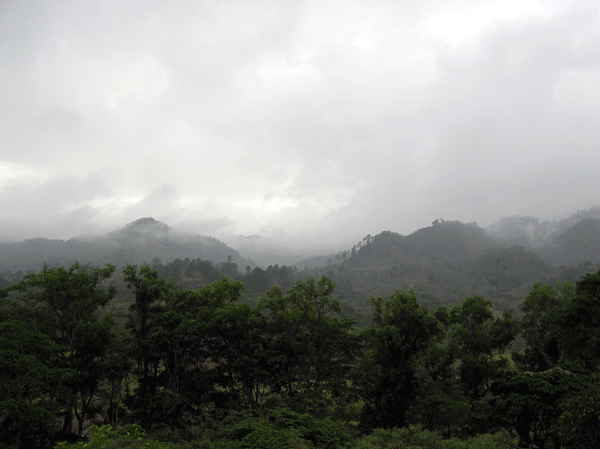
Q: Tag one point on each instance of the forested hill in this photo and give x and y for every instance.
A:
(450, 260)
(140, 241)
(449, 241)
(570, 241)
(442, 263)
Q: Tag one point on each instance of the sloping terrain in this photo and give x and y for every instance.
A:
(571, 241)
(140, 241)
(450, 261)
(443, 263)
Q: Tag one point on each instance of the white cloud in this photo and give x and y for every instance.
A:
(303, 120)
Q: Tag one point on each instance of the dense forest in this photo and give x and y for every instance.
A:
(91, 357)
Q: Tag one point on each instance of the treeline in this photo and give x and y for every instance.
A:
(200, 368)
(197, 273)
(191, 274)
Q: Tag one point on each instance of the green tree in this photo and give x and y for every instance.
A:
(578, 322)
(207, 328)
(312, 347)
(532, 403)
(29, 385)
(387, 375)
(130, 437)
(414, 437)
(150, 294)
(579, 424)
(275, 425)
(479, 342)
(64, 304)
(539, 326)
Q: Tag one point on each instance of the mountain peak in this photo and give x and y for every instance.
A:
(146, 224)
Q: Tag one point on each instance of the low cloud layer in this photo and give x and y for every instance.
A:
(309, 122)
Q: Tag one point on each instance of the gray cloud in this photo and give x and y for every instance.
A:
(308, 121)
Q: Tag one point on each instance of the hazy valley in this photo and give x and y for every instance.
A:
(442, 263)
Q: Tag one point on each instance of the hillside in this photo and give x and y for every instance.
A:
(570, 241)
(140, 241)
(577, 244)
(443, 263)
(450, 260)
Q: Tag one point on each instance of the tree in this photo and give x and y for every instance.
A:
(64, 305)
(578, 321)
(312, 347)
(532, 403)
(29, 385)
(440, 404)
(201, 328)
(150, 293)
(229, 268)
(579, 424)
(387, 375)
(539, 326)
(479, 340)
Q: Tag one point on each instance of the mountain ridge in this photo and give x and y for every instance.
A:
(137, 242)
(443, 263)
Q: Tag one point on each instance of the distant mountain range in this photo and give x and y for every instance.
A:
(140, 241)
(449, 260)
(443, 263)
(559, 243)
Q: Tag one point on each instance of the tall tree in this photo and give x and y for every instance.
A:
(30, 384)
(387, 375)
(540, 326)
(64, 304)
(205, 335)
(479, 340)
(312, 346)
(579, 323)
(150, 293)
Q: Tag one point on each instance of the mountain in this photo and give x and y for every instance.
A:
(450, 261)
(140, 241)
(443, 263)
(577, 244)
(263, 251)
(524, 231)
(449, 242)
(571, 241)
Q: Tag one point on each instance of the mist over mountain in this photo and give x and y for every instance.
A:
(522, 230)
(449, 260)
(443, 263)
(569, 241)
(138, 242)
(265, 251)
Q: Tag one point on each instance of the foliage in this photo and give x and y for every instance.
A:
(29, 384)
(311, 345)
(579, 425)
(579, 323)
(204, 368)
(414, 437)
(540, 328)
(279, 426)
(105, 437)
(150, 292)
(478, 341)
(386, 376)
(531, 402)
(63, 304)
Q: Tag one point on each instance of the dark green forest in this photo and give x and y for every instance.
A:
(186, 355)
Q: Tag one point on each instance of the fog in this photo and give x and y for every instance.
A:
(313, 123)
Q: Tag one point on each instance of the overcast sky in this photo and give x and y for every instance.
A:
(315, 122)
